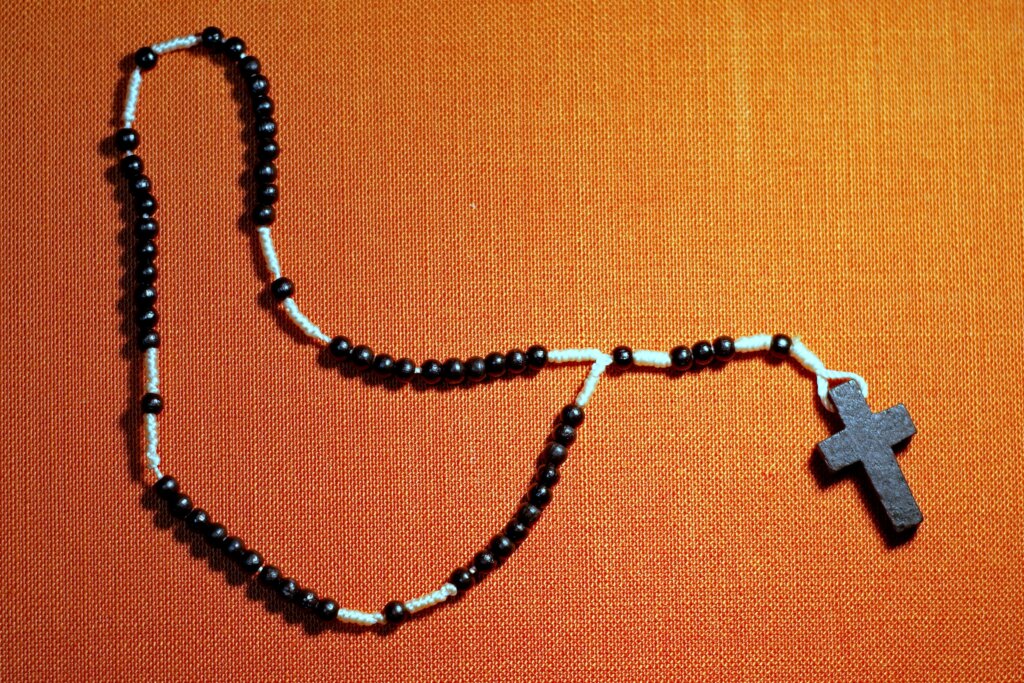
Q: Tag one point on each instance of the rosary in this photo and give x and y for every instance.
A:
(867, 439)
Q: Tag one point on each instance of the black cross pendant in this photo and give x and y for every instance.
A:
(868, 438)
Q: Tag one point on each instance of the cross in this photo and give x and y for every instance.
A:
(868, 438)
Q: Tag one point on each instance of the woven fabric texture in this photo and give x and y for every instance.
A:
(465, 177)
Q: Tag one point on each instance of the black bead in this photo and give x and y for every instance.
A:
(305, 598)
(263, 215)
(140, 184)
(126, 139)
(361, 356)
(265, 173)
(250, 562)
(145, 228)
(249, 66)
(528, 514)
(287, 588)
(622, 356)
(516, 531)
(166, 487)
(233, 548)
(484, 561)
(476, 369)
(145, 250)
(179, 505)
(263, 107)
(282, 288)
(395, 612)
(404, 369)
(213, 38)
(547, 476)
(145, 203)
(724, 348)
(327, 609)
(780, 347)
(197, 520)
(340, 347)
(145, 296)
(555, 453)
(145, 58)
(151, 403)
(540, 495)
(146, 273)
(147, 319)
(430, 371)
(149, 340)
(383, 365)
(495, 363)
(452, 371)
(267, 150)
(564, 434)
(266, 194)
(682, 359)
(703, 353)
(536, 356)
(265, 128)
(131, 166)
(269, 576)
(461, 579)
(502, 546)
(234, 48)
(572, 415)
(258, 85)
(215, 535)
(515, 361)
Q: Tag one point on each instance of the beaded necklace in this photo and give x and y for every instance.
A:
(867, 440)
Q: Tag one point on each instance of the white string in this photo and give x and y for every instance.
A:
(430, 599)
(182, 43)
(303, 323)
(354, 616)
(132, 97)
(152, 383)
(269, 254)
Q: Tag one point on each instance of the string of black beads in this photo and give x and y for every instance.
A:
(248, 560)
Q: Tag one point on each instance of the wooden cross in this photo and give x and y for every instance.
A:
(868, 438)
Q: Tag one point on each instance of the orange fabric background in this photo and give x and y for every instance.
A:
(464, 177)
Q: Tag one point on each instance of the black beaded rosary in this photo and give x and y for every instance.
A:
(867, 439)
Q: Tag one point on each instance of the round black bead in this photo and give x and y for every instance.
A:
(780, 347)
(536, 356)
(724, 348)
(215, 535)
(145, 203)
(361, 356)
(540, 495)
(430, 371)
(340, 347)
(461, 579)
(484, 561)
(269, 576)
(495, 363)
(233, 548)
(126, 139)
(476, 369)
(516, 531)
(452, 371)
(564, 434)
(146, 273)
(234, 48)
(140, 184)
(147, 319)
(145, 228)
(395, 612)
(682, 359)
(572, 415)
(145, 296)
(265, 173)
(515, 361)
(197, 520)
(131, 166)
(282, 288)
(151, 403)
(166, 487)
(179, 505)
(145, 58)
(622, 356)
(250, 562)
(404, 369)
(305, 598)
(547, 476)
(145, 250)
(212, 38)
(528, 514)
(327, 609)
(555, 453)
(149, 340)
(265, 128)
(263, 107)
(383, 365)
(502, 546)
(703, 353)
(287, 588)
(263, 215)
(267, 150)
(266, 194)
(249, 66)
(258, 85)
